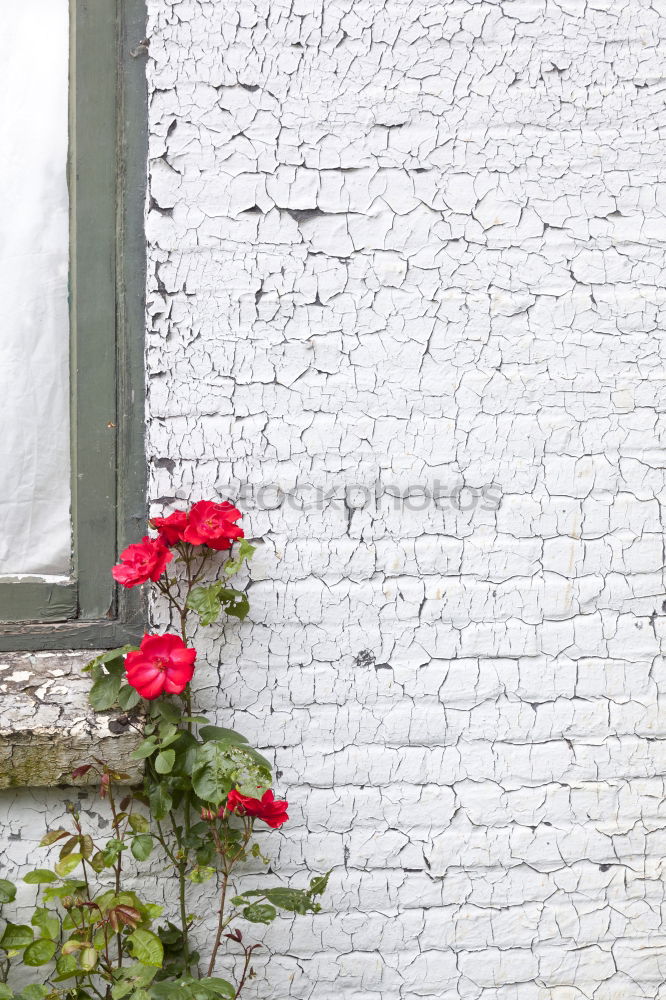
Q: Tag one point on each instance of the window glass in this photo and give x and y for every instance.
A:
(35, 529)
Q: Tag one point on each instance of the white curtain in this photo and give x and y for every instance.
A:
(35, 533)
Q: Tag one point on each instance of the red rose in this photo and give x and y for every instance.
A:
(142, 562)
(162, 664)
(212, 524)
(170, 528)
(273, 811)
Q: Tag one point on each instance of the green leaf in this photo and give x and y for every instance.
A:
(112, 659)
(146, 948)
(167, 991)
(216, 987)
(67, 865)
(7, 891)
(234, 602)
(5, 992)
(168, 711)
(128, 697)
(52, 837)
(145, 749)
(218, 767)
(167, 732)
(104, 692)
(142, 846)
(66, 967)
(200, 874)
(87, 845)
(206, 602)
(263, 765)
(39, 876)
(245, 552)
(186, 750)
(68, 888)
(295, 900)
(110, 854)
(139, 823)
(34, 992)
(318, 885)
(209, 601)
(39, 952)
(16, 936)
(193, 989)
(48, 924)
(100, 861)
(213, 775)
(260, 913)
(131, 978)
(68, 847)
(113, 654)
(161, 800)
(221, 735)
(88, 959)
(164, 761)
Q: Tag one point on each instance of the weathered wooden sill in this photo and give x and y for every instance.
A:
(47, 727)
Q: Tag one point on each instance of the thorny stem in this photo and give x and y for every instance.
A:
(182, 861)
(182, 868)
(79, 830)
(165, 588)
(117, 868)
(165, 844)
(182, 902)
(220, 924)
(246, 965)
(228, 864)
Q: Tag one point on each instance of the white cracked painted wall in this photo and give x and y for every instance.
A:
(407, 245)
(411, 246)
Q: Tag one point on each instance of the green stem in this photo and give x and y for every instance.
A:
(117, 869)
(182, 900)
(228, 865)
(246, 966)
(221, 923)
(181, 859)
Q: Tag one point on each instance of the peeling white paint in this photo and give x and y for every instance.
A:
(393, 243)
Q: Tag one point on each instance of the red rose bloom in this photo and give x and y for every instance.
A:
(273, 811)
(163, 664)
(170, 528)
(142, 562)
(212, 524)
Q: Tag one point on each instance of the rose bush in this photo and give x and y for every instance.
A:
(204, 789)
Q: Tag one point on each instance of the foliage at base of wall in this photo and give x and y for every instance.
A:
(204, 790)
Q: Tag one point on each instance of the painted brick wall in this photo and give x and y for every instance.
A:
(403, 246)
(399, 249)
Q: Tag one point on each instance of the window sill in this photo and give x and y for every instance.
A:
(48, 728)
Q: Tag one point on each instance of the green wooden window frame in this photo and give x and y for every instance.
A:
(106, 175)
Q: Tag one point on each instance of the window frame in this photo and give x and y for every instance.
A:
(106, 178)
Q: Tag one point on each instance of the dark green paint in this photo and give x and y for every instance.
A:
(47, 602)
(107, 188)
